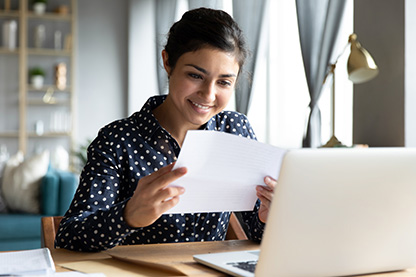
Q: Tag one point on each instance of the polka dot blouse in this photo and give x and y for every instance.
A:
(123, 152)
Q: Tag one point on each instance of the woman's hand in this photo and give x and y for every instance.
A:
(152, 197)
(265, 194)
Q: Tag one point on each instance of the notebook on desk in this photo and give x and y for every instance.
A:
(335, 212)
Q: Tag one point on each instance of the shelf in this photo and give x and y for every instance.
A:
(48, 135)
(15, 134)
(7, 51)
(9, 14)
(50, 16)
(48, 52)
(42, 103)
(46, 87)
(32, 103)
(9, 134)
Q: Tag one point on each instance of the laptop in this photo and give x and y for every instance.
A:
(335, 212)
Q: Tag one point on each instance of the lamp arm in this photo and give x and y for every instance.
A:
(336, 61)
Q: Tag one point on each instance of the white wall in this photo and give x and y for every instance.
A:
(142, 52)
(101, 65)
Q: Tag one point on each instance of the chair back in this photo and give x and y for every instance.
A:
(235, 230)
(49, 228)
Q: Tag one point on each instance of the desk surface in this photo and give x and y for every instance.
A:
(171, 259)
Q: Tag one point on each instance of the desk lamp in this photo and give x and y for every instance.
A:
(361, 68)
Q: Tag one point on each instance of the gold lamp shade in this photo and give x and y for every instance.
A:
(361, 66)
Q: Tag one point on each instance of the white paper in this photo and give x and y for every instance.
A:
(78, 274)
(27, 262)
(223, 171)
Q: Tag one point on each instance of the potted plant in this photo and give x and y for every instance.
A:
(39, 6)
(37, 76)
(80, 155)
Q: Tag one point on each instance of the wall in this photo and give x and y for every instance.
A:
(410, 73)
(379, 114)
(101, 65)
(142, 52)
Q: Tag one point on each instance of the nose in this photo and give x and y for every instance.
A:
(208, 92)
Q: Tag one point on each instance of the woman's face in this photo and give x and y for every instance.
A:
(201, 84)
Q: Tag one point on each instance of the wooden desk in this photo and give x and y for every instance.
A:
(176, 256)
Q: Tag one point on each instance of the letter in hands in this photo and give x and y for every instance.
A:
(152, 197)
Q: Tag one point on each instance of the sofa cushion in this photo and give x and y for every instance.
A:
(20, 244)
(50, 193)
(21, 182)
(67, 189)
(19, 226)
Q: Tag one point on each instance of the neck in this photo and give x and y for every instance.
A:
(168, 118)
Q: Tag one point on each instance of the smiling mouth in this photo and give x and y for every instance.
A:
(199, 105)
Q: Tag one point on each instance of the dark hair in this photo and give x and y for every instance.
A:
(205, 27)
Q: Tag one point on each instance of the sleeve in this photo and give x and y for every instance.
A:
(253, 226)
(94, 221)
(245, 129)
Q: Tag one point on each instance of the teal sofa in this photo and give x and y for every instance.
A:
(22, 231)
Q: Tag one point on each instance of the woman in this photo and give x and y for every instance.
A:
(122, 194)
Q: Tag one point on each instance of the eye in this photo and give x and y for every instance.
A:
(224, 83)
(194, 76)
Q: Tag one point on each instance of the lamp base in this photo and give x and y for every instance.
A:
(333, 142)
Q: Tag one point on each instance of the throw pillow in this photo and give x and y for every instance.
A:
(21, 182)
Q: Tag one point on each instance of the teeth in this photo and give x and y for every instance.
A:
(200, 106)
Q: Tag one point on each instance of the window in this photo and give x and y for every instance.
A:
(280, 97)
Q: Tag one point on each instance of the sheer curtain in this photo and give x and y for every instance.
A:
(250, 15)
(164, 18)
(318, 23)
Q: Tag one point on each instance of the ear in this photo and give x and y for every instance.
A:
(166, 63)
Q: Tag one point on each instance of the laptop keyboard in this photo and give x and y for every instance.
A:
(249, 266)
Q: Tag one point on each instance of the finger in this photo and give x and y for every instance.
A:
(270, 182)
(264, 201)
(168, 178)
(265, 192)
(169, 204)
(169, 192)
(153, 176)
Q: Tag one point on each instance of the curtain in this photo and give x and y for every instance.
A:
(318, 22)
(250, 16)
(213, 4)
(165, 17)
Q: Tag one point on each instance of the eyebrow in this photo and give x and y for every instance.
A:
(206, 72)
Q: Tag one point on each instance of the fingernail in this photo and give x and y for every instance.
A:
(182, 170)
